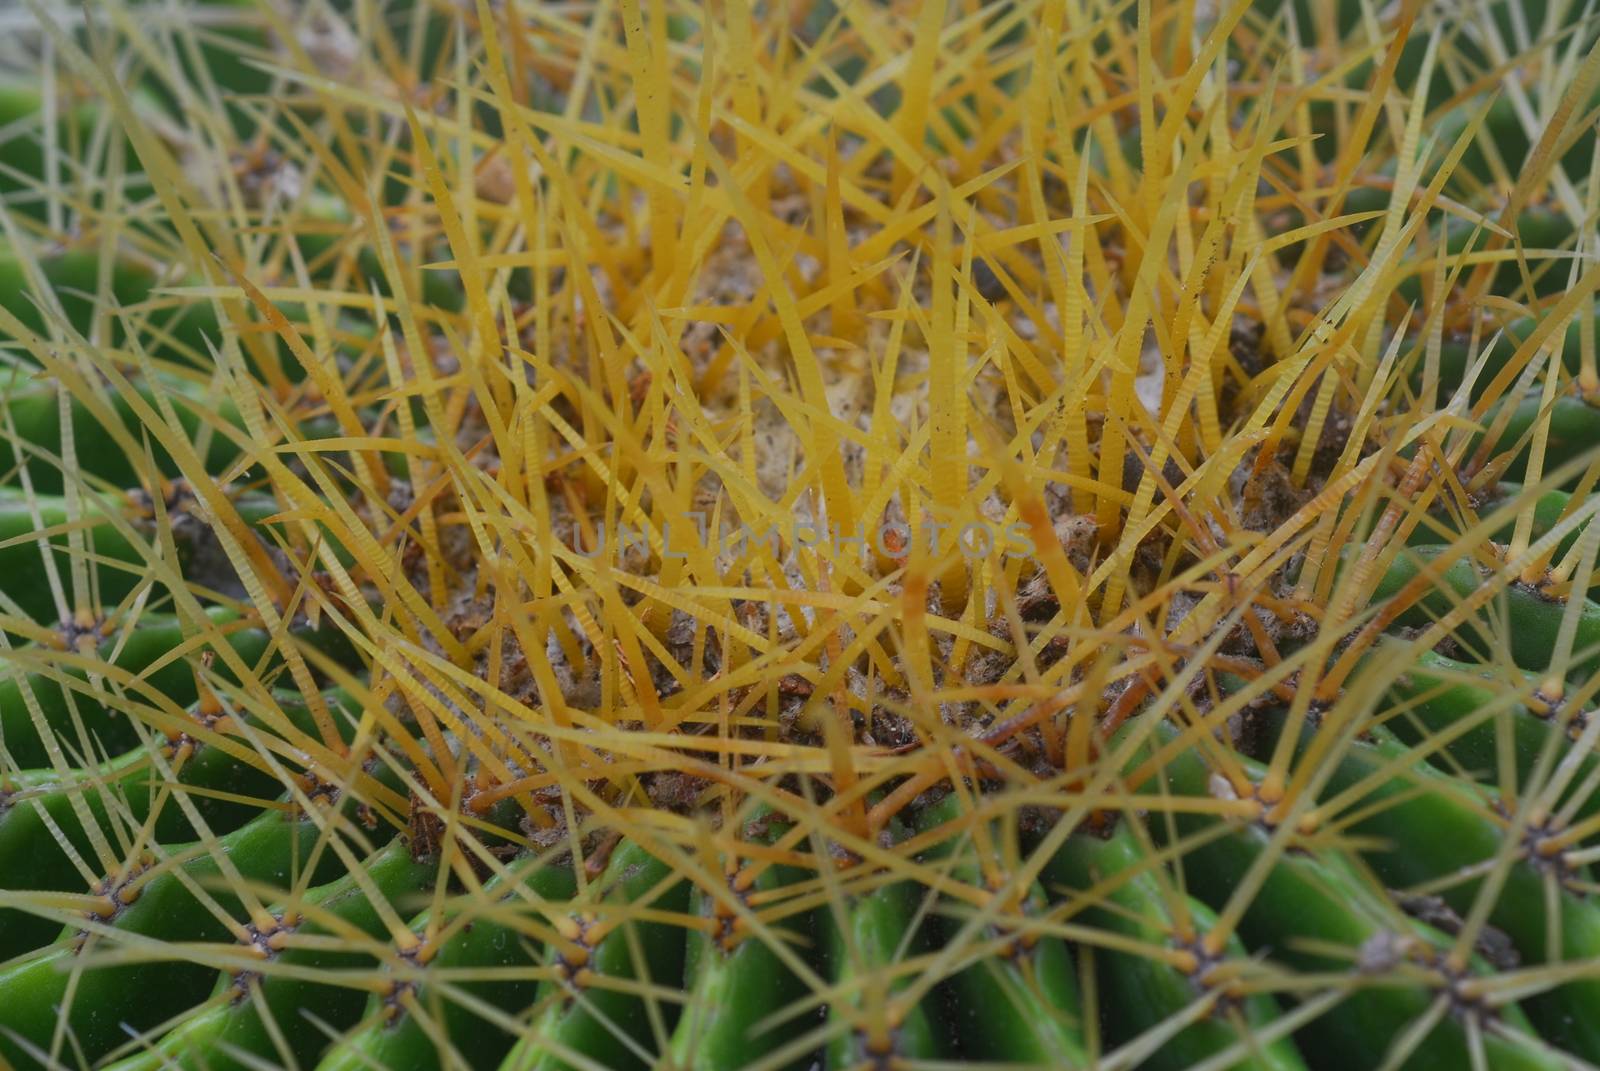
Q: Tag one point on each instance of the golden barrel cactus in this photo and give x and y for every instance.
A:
(648, 533)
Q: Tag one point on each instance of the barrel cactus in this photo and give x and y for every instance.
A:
(758, 535)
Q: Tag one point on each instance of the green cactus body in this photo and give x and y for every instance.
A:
(114, 560)
(1141, 992)
(396, 1037)
(336, 912)
(73, 275)
(582, 1014)
(1574, 432)
(1449, 829)
(1436, 694)
(42, 807)
(1538, 231)
(33, 410)
(147, 652)
(1547, 510)
(1318, 914)
(875, 932)
(733, 983)
(1456, 353)
(1534, 618)
(1022, 1007)
(273, 849)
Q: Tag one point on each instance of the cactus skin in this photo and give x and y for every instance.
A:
(730, 990)
(43, 807)
(733, 981)
(145, 652)
(877, 926)
(1143, 991)
(270, 849)
(1022, 1006)
(571, 1013)
(1535, 618)
(1456, 356)
(33, 408)
(1322, 899)
(237, 1024)
(1572, 435)
(396, 1037)
(1459, 836)
(22, 551)
(1438, 695)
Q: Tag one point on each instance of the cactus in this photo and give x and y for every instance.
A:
(759, 536)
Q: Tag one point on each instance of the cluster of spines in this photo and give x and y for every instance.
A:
(1010, 952)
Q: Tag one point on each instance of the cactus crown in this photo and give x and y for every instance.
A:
(1104, 483)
